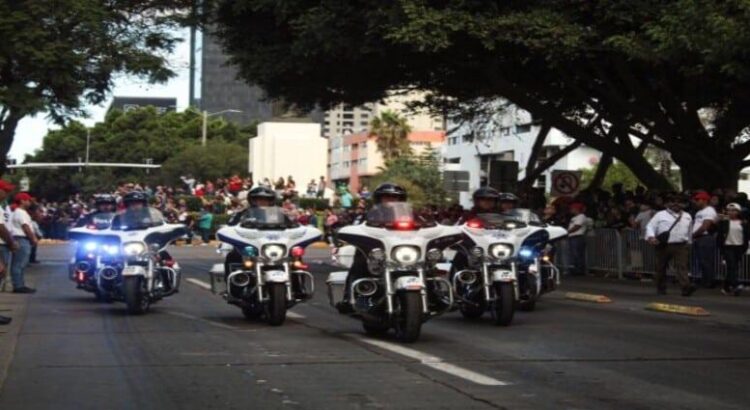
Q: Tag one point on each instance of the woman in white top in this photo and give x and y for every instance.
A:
(733, 236)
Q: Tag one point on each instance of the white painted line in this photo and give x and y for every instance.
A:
(200, 319)
(435, 363)
(199, 283)
(292, 315)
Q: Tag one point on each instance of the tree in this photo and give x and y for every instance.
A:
(392, 133)
(617, 173)
(673, 73)
(419, 175)
(57, 56)
(130, 137)
(217, 160)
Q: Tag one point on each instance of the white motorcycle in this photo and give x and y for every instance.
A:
(394, 257)
(131, 260)
(84, 264)
(264, 271)
(504, 262)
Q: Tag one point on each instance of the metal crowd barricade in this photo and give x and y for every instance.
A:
(604, 251)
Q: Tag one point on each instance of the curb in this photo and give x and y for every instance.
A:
(587, 297)
(678, 309)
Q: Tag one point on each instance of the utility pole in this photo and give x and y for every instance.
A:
(194, 11)
(205, 128)
(88, 144)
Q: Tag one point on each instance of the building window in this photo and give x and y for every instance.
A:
(505, 131)
(346, 164)
(346, 148)
(348, 116)
(467, 138)
(363, 145)
(355, 147)
(364, 115)
(364, 124)
(348, 124)
(522, 129)
(453, 160)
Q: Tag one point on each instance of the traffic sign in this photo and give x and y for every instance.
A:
(565, 183)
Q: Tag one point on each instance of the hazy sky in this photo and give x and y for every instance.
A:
(31, 130)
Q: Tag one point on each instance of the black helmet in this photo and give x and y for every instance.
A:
(507, 197)
(105, 199)
(135, 196)
(486, 193)
(389, 189)
(261, 192)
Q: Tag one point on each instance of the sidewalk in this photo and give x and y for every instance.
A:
(12, 305)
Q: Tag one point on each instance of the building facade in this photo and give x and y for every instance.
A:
(284, 149)
(353, 158)
(509, 136)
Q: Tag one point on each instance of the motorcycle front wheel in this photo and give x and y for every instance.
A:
(276, 305)
(409, 321)
(504, 304)
(136, 295)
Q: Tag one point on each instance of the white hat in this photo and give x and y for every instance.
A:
(734, 207)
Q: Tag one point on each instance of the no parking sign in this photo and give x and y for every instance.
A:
(565, 183)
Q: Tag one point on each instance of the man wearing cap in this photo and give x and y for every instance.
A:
(733, 236)
(577, 239)
(704, 240)
(22, 229)
(7, 244)
(676, 225)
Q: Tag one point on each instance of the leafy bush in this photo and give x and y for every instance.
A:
(318, 204)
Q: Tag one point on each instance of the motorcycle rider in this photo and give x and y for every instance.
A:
(105, 205)
(508, 203)
(486, 201)
(258, 197)
(385, 193)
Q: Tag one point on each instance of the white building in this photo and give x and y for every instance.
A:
(509, 136)
(282, 149)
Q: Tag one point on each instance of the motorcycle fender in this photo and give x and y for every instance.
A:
(276, 276)
(409, 283)
(133, 271)
(503, 275)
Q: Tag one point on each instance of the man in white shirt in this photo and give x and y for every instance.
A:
(22, 229)
(577, 239)
(704, 239)
(7, 244)
(677, 224)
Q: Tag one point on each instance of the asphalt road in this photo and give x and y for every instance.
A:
(193, 351)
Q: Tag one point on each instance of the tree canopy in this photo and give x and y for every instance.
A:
(58, 56)
(392, 133)
(418, 174)
(673, 73)
(171, 139)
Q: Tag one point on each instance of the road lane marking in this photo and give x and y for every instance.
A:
(434, 362)
(200, 319)
(292, 315)
(199, 283)
(678, 309)
(587, 297)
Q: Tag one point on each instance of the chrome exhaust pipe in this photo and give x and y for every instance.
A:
(365, 287)
(239, 279)
(467, 277)
(108, 273)
(83, 266)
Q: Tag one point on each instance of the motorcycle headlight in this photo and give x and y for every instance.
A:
(501, 251)
(274, 252)
(133, 248)
(90, 246)
(405, 255)
(477, 252)
(526, 253)
(434, 255)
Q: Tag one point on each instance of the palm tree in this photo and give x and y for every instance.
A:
(392, 132)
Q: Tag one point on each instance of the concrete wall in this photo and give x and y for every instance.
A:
(282, 149)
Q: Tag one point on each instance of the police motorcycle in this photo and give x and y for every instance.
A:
(84, 264)
(264, 271)
(392, 282)
(503, 262)
(133, 264)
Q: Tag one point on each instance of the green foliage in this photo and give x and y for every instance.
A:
(653, 68)
(618, 173)
(317, 204)
(392, 132)
(420, 176)
(57, 56)
(133, 137)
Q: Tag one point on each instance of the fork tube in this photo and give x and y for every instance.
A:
(288, 282)
(487, 284)
(425, 308)
(388, 291)
(259, 280)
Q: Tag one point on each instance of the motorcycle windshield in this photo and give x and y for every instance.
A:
(137, 219)
(507, 221)
(396, 215)
(101, 220)
(267, 218)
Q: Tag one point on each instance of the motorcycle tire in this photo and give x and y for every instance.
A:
(276, 305)
(136, 295)
(373, 328)
(472, 312)
(409, 320)
(504, 306)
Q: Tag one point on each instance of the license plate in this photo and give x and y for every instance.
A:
(132, 270)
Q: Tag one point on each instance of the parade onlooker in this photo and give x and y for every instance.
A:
(577, 239)
(670, 230)
(22, 229)
(7, 244)
(205, 222)
(321, 187)
(733, 236)
(704, 240)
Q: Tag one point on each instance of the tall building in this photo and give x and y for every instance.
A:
(162, 104)
(222, 90)
(284, 149)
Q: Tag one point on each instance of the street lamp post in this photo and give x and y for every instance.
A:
(206, 114)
